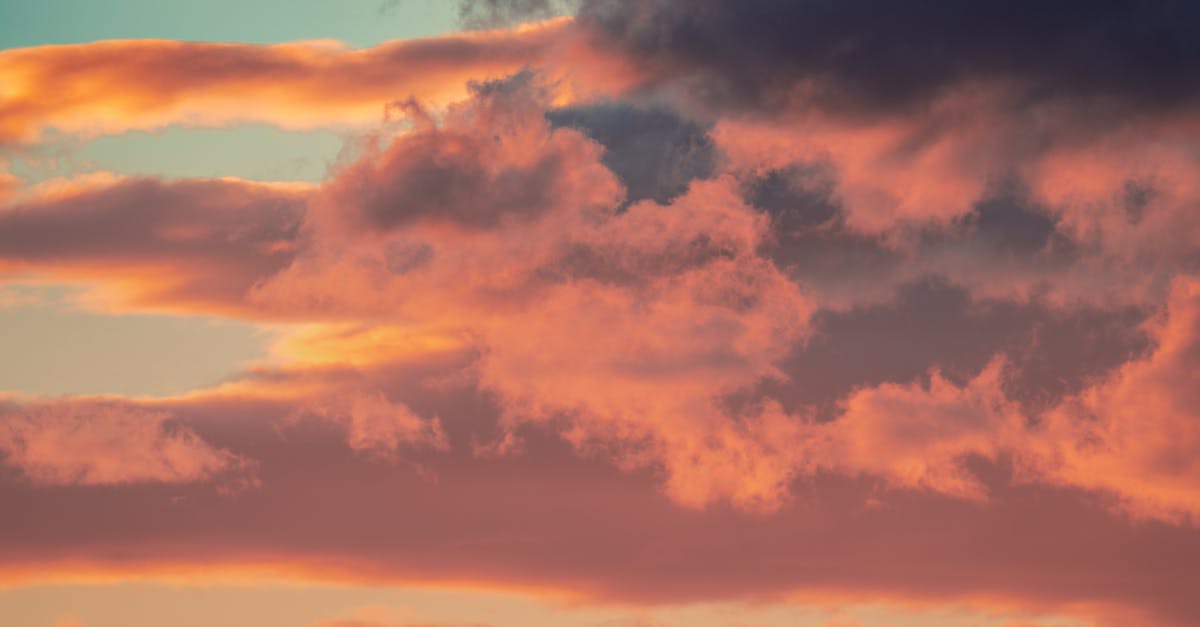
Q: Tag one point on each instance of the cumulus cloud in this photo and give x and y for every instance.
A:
(545, 263)
(853, 285)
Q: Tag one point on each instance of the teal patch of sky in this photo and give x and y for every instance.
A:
(359, 23)
(255, 152)
(52, 346)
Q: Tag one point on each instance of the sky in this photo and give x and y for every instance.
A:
(583, 313)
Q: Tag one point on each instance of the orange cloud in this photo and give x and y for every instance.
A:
(9, 184)
(1130, 435)
(521, 220)
(105, 443)
(1107, 215)
(114, 86)
(919, 437)
(473, 296)
(380, 427)
(1136, 433)
(191, 244)
(71, 87)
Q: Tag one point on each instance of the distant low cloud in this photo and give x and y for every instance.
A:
(106, 443)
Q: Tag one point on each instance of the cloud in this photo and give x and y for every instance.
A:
(380, 427)
(10, 184)
(1134, 433)
(876, 56)
(885, 301)
(1129, 434)
(522, 217)
(919, 437)
(1031, 211)
(491, 161)
(545, 262)
(106, 443)
(295, 85)
(172, 244)
(653, 150)
(553, 521)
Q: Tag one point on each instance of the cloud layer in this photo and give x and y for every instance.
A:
(665, 301)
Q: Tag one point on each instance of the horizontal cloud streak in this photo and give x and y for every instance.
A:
(168, 243)
(70, 87)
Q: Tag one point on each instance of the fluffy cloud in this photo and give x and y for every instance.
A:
(919, 437)
(852, 305)
(1135, 434)
(380, 427)
(544, 264)
(106, 443)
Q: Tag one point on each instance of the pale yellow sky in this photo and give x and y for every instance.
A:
(54, 345)
(144, 604)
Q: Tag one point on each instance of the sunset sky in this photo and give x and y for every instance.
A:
(595, 313)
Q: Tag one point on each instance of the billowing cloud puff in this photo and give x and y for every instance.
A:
(1136, 433)
(545, 263)
(489, 162)
(920, 437)
(380, 427)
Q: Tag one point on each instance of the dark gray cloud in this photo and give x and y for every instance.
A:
(1008, 220)
(655, 152)
(796, 196)
(932, 323)
(882, 55)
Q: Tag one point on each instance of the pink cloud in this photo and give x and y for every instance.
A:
(106, 443)
(919, 436)
(481, 303)
(380, 427)
(542, 265)
(1135, 433)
